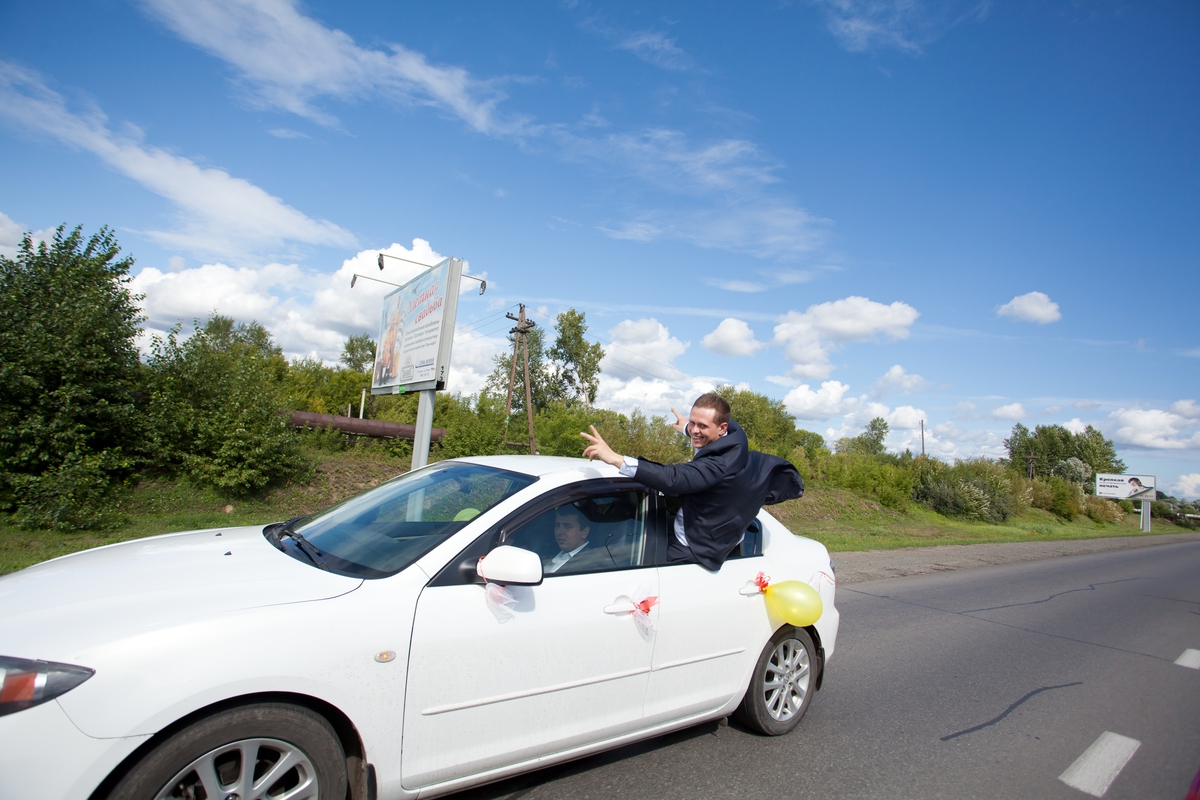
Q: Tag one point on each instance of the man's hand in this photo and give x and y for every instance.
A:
(681, 423)
(598, 448)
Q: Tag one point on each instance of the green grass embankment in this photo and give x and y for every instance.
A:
(835, 517)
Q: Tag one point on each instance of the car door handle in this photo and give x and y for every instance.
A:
(621, 606)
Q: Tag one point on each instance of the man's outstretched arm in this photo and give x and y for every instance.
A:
(671, 479)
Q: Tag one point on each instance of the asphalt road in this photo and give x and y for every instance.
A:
(983, 683)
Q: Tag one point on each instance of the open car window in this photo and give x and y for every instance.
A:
(664, 517)
(616, 511)
(598, 533)
(385, 529)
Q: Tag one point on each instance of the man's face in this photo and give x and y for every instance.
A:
(567, 532)
(704, 429)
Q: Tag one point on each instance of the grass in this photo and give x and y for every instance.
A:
(835, 517)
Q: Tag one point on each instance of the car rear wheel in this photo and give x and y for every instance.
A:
(268, 751)
(782, 685)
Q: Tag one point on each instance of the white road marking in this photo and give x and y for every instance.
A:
(1095, 770)
(1190, 658)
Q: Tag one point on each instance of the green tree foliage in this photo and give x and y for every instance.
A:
(68, 367)
(1049, 445)
(576, 362)
(543, 388)
(358, 353)
(867, 443)
(309, 385)
(768, 425)
(215, 407)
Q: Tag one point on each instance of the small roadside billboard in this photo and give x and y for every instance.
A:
(1126, 487)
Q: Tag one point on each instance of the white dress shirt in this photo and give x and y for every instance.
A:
(562, 558)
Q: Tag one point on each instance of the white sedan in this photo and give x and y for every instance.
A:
(430, 634)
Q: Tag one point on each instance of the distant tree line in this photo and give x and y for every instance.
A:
(83, 416)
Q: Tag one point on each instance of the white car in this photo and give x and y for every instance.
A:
(360, 647)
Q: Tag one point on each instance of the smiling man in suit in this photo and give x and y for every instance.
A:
(722, 487)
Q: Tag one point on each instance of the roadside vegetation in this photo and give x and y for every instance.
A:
(99, 445)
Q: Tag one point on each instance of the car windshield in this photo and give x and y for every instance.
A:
(383, 530)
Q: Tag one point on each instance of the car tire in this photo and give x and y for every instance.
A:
(782, 685)
(291, 747)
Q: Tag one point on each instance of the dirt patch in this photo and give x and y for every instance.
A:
(870, 565)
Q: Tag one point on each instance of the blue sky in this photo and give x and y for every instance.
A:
(959, 212)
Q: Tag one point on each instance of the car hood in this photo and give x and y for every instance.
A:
(65, 606)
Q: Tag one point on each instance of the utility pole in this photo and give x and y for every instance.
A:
(520, 340)
(1030, 458)
(922, 438)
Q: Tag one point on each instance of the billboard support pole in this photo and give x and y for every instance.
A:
(424, 431)
(1145, 516)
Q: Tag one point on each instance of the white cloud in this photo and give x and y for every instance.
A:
(808, 337)
(1049, 410)
(1013, 411)
(965, 407)
(1188, 485)
(828, 401)
(655, 48)
(288, 61)
(309, 313)
(219, 214)
(654, 397)
(643, 349)
(1186, 409)
(1085, 405)
(1153, 429)
(748, 287)
(1075, 425)
(12, 232)
(902, 24)
(287, 133)
(1032, 307)
(732, 337)
(896, 379)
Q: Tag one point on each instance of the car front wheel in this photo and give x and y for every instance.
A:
(268, 751)
(782, 685)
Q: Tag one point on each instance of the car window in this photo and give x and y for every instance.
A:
(385, 529)
(592, 534)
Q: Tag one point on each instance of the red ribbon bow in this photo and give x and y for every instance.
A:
(762, 581)
(647, 604)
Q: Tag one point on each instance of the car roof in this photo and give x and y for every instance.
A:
(541, 465)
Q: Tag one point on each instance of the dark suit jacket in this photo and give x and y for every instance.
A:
(722, 489)
(589, 559)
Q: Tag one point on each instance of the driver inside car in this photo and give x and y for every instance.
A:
(575, 552)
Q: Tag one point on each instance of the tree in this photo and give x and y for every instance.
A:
(1049, 445)
(869, 442)
(576, 361)
(358, 353)
(68, 369)
(543, 388)
(768, 425)
(216, 399)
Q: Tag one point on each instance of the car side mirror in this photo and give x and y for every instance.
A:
(511, 565)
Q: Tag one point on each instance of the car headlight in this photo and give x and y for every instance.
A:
(25, 683)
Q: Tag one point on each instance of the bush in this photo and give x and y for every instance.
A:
(870, 476)
(975, 489)
(216, 408)
(1065, 499)
(75, 496)
(1100, 510)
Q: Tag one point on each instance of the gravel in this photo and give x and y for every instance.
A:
(870, 565)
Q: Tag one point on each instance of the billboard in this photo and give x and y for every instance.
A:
(416, 332)
(1126, 487)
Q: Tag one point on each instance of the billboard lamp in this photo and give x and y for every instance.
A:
(382, 256)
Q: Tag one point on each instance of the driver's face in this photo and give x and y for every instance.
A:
(568, 534)
(703, 428)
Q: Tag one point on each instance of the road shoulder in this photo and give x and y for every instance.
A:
(870, 565)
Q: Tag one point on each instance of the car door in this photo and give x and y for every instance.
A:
(710, 627)
(568, 666)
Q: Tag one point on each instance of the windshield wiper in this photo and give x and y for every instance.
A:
(304, 545)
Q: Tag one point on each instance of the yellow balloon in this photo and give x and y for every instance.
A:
(466, 514)
(795, 602)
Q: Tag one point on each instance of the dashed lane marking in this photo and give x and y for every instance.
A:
(1190, 659)
(1095, 770)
